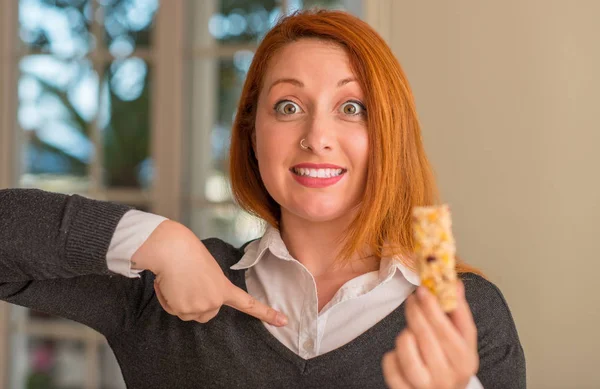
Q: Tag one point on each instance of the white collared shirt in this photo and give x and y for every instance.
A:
(276, 279)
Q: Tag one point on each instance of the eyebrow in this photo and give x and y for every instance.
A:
(299, 83)
(346, 81)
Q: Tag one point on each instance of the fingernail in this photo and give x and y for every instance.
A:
(421, 292)
(281, 319)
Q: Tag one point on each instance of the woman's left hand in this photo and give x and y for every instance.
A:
(435, 350)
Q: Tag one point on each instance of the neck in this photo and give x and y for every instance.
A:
(317, 245)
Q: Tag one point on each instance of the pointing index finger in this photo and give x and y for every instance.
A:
(238, 299)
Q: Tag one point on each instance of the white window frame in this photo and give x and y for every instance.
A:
(8, 101)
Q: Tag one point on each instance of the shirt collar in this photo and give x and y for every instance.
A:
(271, 241)
(255, 251)
(389, 266)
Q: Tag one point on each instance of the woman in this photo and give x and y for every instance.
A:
(326, 148)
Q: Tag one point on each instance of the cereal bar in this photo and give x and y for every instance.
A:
(435, 250)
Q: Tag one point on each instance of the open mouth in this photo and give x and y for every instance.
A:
(317, 173)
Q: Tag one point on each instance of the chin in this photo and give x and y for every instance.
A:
(319, 218)
(319, 207)
(320, 213)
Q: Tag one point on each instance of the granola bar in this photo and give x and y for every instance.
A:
(435, 249)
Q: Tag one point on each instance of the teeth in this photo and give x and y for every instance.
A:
(318, 173)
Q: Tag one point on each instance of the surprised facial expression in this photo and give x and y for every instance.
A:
(311, 131)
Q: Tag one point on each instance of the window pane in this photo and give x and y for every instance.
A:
(58, 27)
(45, 360)
(48, 363)
(124, 120)
(233, 21)
(216, 88)
(57, 104)
(352, 6)
(128, 24)
(217, 84)
(231, 76)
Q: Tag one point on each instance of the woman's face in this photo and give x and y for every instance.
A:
(311, 94)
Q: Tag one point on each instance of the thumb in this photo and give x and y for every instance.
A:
(237, 298)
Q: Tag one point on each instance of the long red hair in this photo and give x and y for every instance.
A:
(399, 176)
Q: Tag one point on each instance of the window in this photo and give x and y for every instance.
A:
(84, 92)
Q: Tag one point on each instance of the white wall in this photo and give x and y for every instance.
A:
(508, 94)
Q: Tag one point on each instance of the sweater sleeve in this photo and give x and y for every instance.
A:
(53, 259)
(501, 357)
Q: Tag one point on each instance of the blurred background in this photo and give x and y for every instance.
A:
(132, 101)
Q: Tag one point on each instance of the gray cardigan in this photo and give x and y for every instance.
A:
(53, 259)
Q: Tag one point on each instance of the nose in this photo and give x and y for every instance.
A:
(319, 137)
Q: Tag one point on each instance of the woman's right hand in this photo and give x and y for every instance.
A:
(189, 282)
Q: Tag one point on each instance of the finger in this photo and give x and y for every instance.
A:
(242, 301)
(162, 300)
(429, 346)
(392, 373)
(410, 360)
(457, 350)
(463, 318)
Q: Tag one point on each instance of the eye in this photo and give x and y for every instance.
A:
(353, 108)
(287, 107)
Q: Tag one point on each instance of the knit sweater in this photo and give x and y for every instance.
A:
(53, 259)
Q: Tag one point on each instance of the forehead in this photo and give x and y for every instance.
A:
(305, 56)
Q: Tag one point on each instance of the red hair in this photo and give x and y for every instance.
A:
(399, 176)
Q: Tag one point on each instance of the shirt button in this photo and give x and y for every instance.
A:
(309, 345)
